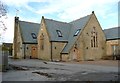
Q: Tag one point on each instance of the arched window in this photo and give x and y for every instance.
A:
(18, 44)
(94, 40)
(42, 41)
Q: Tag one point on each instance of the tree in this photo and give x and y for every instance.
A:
(3, 15)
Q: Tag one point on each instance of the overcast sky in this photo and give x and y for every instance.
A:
(61, 10)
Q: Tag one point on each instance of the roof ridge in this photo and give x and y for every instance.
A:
(29, 22)
(56, 21)
(80, 18)
(112, 28)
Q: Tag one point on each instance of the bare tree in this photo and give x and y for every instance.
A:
(3, 9)
(3, 15)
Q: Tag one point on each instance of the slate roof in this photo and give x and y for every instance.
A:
(112, 33)
(67, 29)
(77, 24)
(53, 26)
(26, 29)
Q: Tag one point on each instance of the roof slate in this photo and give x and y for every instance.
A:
(67, 29)
(53, 26)
(26, 29)
(112, 33)
(77, 24)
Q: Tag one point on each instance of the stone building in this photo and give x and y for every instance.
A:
(25, 39)
(81, 39)
(113, 42)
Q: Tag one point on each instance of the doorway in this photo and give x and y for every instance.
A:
(76, 55)
(34, 52)
(114, 51)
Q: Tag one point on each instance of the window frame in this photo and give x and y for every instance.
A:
(77, 32)
(59, 33)
(42, 42)
(94, 38)
(33, 35)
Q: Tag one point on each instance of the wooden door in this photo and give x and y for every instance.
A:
(74, 55)
(34, 52)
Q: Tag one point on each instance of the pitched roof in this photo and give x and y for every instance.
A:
(77, 24)
(112, 33)
(54, 26)
(27, 28)
(67, 29)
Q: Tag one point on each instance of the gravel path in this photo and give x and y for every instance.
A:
(37, 70)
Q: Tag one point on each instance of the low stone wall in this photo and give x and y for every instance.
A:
(4, 60)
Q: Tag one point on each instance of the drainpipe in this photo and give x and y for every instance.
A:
(51, 51)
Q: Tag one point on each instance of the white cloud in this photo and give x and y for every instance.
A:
(73, 9)
(66, 6)
(67, 10)
(7, 36)
(20, 3)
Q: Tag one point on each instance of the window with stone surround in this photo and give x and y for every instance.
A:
(94, 38)
(18, 44)
(42, 41)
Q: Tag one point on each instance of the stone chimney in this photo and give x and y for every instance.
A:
(92, 12)
(16, 20)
